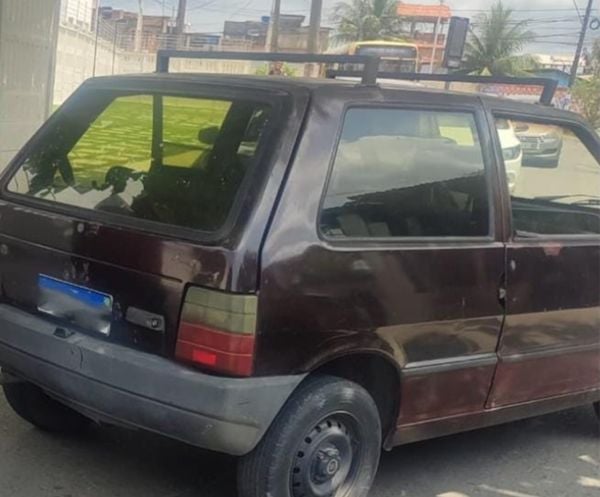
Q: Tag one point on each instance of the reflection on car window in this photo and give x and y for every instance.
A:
(190, 128)
(407, 173)
(554, 180)
(107, 155)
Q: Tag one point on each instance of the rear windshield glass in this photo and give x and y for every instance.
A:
(173, 160)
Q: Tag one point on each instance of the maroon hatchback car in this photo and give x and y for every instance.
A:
(298, 271)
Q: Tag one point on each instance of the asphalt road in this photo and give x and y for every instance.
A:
(552, 456)
(577, 173)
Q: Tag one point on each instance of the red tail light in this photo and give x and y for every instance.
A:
(217, 331)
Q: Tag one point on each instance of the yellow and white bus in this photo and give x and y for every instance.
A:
(396, 56)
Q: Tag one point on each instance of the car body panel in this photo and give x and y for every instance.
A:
(415, 301)
(142, 266)
(451, 315)
(552, 319)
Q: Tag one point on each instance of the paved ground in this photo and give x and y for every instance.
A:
(551, 456)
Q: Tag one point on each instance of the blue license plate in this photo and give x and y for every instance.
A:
(78, 305)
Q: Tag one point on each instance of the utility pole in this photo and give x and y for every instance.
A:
(273, 34)
(180, 23)
(436, 35)
(97, 35)
(316, 10)
(139, 28)
(313, 44)
(586, 23)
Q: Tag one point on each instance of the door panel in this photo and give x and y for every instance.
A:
(550, 343)
(439, 392)
(364, 282)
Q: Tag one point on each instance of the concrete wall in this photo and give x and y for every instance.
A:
(77, 50)
(28, 30)
(75, 55)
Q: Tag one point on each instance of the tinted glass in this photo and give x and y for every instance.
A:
(407, 173)
(107, 155)
(553, 178)
(190, 128)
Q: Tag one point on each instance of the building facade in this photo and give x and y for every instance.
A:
(28, 34)
(293, 34)
(426, 26)
(79, 13)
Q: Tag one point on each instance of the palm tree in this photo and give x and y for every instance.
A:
(361, 20)
(496, 42)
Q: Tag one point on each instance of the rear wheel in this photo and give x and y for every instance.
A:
(33, 405)
(326, 442)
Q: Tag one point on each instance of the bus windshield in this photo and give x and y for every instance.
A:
(394, 58)
(396, 52)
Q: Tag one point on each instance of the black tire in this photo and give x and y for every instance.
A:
(325, 442)
(33, 405)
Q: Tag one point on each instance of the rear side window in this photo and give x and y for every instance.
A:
(173, 160)
(553, 179)
(407, 173)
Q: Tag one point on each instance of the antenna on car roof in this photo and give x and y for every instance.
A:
(368, 74)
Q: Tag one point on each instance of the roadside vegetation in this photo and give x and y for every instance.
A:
(587, 90)
(496, 43)
(364, 20)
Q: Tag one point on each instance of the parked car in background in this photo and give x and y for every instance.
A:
(512, 151)
(298, 272)
(541, 144)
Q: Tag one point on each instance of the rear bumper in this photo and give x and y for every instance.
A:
(108, 382)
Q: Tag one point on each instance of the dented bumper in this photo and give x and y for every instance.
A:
(112, 383)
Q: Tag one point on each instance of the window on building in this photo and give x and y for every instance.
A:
(554, 179)
(407, 173)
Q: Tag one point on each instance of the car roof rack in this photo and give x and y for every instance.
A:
(549, 86)
(368, 75)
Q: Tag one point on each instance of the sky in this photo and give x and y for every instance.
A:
(555, 22)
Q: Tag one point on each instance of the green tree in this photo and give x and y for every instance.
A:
(360, 20)
(495, 44)
(587, 91)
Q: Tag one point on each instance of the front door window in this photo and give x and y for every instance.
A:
(553, 178)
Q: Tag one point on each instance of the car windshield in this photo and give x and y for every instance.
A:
(175, 160)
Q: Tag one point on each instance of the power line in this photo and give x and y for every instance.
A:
(202, 6)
